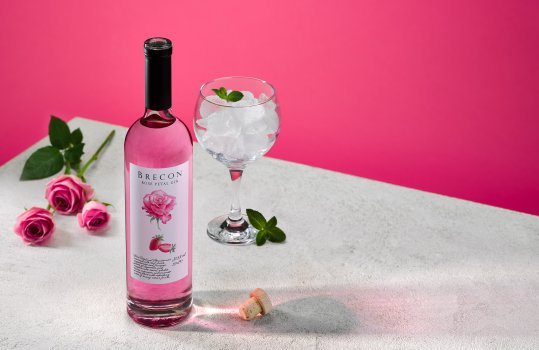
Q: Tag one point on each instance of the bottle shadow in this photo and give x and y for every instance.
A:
(478, 309)
(217, 311)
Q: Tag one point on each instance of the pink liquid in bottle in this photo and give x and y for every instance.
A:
(158, 200)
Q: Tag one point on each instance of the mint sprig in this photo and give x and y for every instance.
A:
(267, 230)
(233, 96)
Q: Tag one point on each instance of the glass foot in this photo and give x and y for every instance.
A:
(226, 231)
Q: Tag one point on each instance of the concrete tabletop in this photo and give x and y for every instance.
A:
(365, 265)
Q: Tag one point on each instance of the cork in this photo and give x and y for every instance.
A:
(258, 303)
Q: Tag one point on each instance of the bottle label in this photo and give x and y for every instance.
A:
(159, 223)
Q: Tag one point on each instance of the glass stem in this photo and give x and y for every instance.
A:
(235, 208)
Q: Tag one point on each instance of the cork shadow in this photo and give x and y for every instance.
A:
(493, 309)
(217, 311)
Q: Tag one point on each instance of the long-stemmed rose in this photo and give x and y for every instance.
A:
(67, 194)
(35, 226)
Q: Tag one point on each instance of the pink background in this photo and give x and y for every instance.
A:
(441, 96)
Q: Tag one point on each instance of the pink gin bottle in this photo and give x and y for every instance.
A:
(158, 153)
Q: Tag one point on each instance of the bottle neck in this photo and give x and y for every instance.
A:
(157, 118)
(158, 83)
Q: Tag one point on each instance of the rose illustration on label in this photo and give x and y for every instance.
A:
(158, 205)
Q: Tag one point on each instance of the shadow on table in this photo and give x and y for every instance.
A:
(68, 232)
(478, 310)
(321, 314)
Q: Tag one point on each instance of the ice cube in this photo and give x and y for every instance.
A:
(255, 144)
(203, 123)
(236, 150)
(209, 105)
(272, 121)
(223, 122)
(229, 146)
(217, 144)
(268, 104)
(249, 115)
(255, 127)
(248, 96)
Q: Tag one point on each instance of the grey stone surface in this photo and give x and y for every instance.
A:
(365, 265)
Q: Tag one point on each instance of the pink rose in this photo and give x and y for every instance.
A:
(94, 216)
(35, 226)
(158, 205)
(67, 194)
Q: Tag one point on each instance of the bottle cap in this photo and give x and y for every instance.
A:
(157, 47)
(158, 52)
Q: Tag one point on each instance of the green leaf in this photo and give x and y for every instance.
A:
(276, 235)
(73, 154)
(256, 219)
(59, 133)
(261, 237)
(44, 162)
(234, 96)
(76, 137)
(221, 92)
(272, 222)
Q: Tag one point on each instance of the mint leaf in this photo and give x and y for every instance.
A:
(276, 235)
(44, 162)
(59, 133)
(261, 238)
(73, 154)
(256, 219)
(234, 96)
(221, 92)
(76, 137)
(272, 222)
(217, 92)
(267, 230)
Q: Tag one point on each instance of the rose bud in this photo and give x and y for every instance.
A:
(35, 226)
(94, 216)
(67, 194)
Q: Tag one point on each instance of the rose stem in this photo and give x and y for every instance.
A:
(95, 155)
